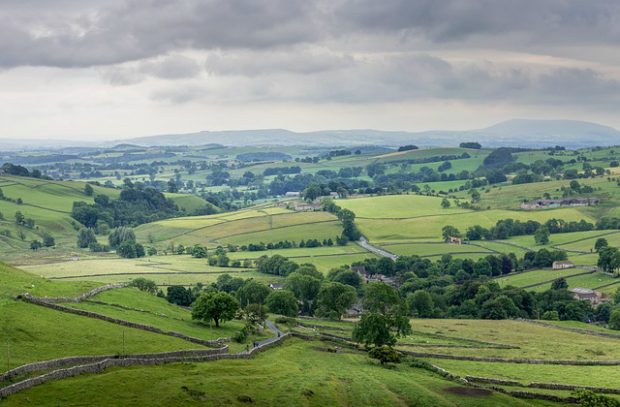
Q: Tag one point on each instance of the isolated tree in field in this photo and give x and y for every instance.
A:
(199, 252)
(48, 240)
(373, 329)
(86, 237)
(542, 235)
(449, 231)
(559, 284)
(88, 190)
(609, 259)
(215, 305)
(600, 243)
(475, 195)
(334, 300)
(282, 302)
(35, 245)
(20, 219)
(143, 284)
(445, 203)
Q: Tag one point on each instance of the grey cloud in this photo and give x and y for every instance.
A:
(524, 22)
(143, 29)
(168, 67)
(413, 77)
(294, 60)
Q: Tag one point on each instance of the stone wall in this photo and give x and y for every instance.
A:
(136, 360)
(80, 360)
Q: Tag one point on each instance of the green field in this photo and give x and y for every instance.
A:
(295, 373)
(397, 206)
(247, 226)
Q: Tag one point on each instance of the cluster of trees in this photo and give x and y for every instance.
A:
(135, 206)
(506, 228)
(285, 244)
(121, 239)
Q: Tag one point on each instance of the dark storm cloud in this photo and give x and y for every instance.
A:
(143, 29)
(71, 33)
(507, 21)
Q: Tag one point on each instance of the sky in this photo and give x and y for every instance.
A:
(113, 69)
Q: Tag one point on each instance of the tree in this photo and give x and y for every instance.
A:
(551, 316)
(282, 302)
(143, 284)
(312, 192)
(614, 319)
(86, 237)
(600, 243)
(199, 252)
(215, 305)
(252, 292)
(305, 288)
(177, 294)
(20, 219)
(609, 259)
(35, 245)
(48, 240)
(449, 231)
(420, 303)
(120, 235)
(559, 284)
(172, 186)
(542, 235)
(373, 329)
(88, 190)
(130, 250)
(228, 283)
(385, 354)
(345, 276)
(445, 203)
(334, 299)
(470, 144)
(380, 297)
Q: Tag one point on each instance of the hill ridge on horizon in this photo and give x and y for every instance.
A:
(514, 132)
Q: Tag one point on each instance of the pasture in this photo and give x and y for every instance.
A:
(295, 373)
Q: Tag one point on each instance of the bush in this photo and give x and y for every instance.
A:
(551, 316)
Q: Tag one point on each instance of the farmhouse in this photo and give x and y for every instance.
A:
(563, 264)
(586, 294)
(455, 240)
(292, 194)
(275, 286)
(557, 203)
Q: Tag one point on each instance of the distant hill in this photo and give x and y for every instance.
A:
(517, 133)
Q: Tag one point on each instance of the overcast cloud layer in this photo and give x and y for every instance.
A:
(117, 68)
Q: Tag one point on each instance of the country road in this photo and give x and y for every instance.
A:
(363, 242)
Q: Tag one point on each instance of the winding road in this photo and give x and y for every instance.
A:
(363, 242)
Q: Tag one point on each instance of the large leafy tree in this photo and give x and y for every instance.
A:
(282, 302)
(215, 305)
(334, 299)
